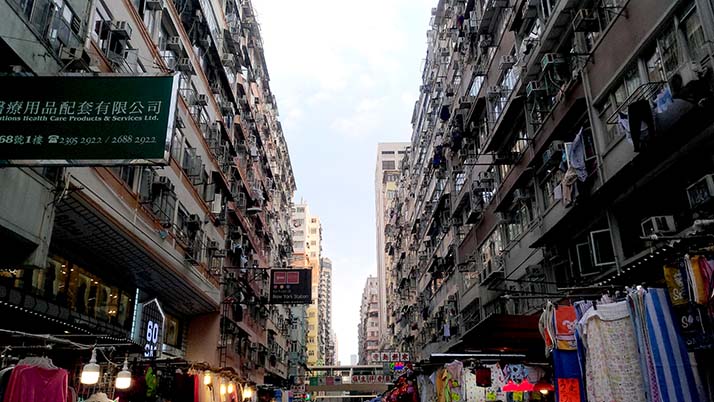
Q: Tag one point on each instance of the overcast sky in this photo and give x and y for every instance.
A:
(346, 75)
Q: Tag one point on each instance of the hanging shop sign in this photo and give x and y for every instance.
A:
(386, 357)
(371, 379)
(290, 286)
(86, 120)
(152, 328)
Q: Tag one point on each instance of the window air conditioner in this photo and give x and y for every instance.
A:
(212, 245)
(586, 21)
(551, 59)
(228, 61)
(162, 182)
(507, 62)
(174, 43)
(71, 53)
(656, 225)
(202, 100)
(184, 65)
(194, 220)
(701, 192)
(121, 29)
(534, 88)
(553, 151)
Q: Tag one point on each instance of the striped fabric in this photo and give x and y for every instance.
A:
(636, 303)
(672, 364)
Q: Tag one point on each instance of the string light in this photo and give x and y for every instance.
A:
(222, 387)
(247, 393)
(231, 387)
(90, 371)
(207, 378)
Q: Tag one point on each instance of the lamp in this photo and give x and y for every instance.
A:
(544, 387)
(90, 371)
(124, 376)
(206, 377)
(231, 387)
(247, 392)
(222, 387)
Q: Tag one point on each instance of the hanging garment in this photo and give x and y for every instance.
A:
(546, 327)
(639, 112)
(612, 366)
(452, 381)
(444, 114)
(565, 322)
(568, 183)
(36, 384)
(498, 381)
(439, 383)
(4, 380)
(469, 385)
(483, 377)
(515, 372)
(427, 393)
(674, 278)
(696, 279)
(636, 303)
(447, 331)
(567, 372)
(576, 156)
(671, 360)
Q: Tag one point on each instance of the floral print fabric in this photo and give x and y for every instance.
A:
(612, 363)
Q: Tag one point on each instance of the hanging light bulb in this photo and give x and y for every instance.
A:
(90, 371)
(207, 378)
(231, 387)
(222, 388)
(124, 376)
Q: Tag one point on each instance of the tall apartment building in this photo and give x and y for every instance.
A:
(529, 176)
(307, 244)
(368, 327)
(86, 247)
(386, 175)
(324, 302)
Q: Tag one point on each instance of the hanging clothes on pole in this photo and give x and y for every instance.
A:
(34, 383)
(612, 363)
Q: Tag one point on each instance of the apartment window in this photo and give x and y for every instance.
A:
(476, 85)
(313, 243)
(298, 233)
(388, 165)
(177, 144)
(519, 219)
(313, 231)
(391, 194)
(387, 152)
(694, 35)
(313, 220)
(298, 222)
(126, 173)
(300, 210)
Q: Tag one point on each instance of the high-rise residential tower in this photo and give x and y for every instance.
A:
(385, 183)
(368, 328)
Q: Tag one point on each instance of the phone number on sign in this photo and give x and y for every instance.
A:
(71, 141)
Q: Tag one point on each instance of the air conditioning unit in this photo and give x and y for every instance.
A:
(228, 61)
(656, 225)
(486, 41)
(551, 60)
(193, 221)
(120, 29)
(202, 100)
(586, 21)
(520, 194)
(184, 65)
(154, 5)
(554, 151)
(701, 192)
(212, 245)
(162, 182)
(71, 53)
(173, 43)
(534, 88)
(507, 62)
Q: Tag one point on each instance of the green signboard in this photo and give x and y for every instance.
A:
(86, 120)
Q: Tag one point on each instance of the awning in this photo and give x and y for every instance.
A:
(504, 333)
(85, 232)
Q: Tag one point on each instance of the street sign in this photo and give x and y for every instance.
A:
(87, 120)
(290, 286)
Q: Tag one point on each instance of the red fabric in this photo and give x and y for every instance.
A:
(36, 384)
(483, 377)
(565, 320)
(196, 387)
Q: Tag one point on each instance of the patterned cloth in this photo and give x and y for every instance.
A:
(469, 386)
(565, 321)
(612, 364)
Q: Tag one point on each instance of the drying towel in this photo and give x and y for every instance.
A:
(565, 321)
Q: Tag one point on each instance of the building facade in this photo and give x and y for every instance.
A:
(525, 182)
(368, 328)
(324, 302)
(386, 174)
(307, 242)
(88, 246)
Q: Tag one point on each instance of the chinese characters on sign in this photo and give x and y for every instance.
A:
(386, 357)
(86, 120)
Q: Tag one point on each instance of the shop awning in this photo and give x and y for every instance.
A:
(86, 232)
(503, 333)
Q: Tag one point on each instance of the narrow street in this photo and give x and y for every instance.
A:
(297, 201)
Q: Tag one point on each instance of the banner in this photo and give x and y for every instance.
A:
(86, 120)
(290, 286)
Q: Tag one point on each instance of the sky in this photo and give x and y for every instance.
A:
(346, 75)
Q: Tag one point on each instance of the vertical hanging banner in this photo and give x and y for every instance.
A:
(152, 328)
(86, 120)
(290, 286)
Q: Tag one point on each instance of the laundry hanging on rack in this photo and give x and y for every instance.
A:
(36, 380)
